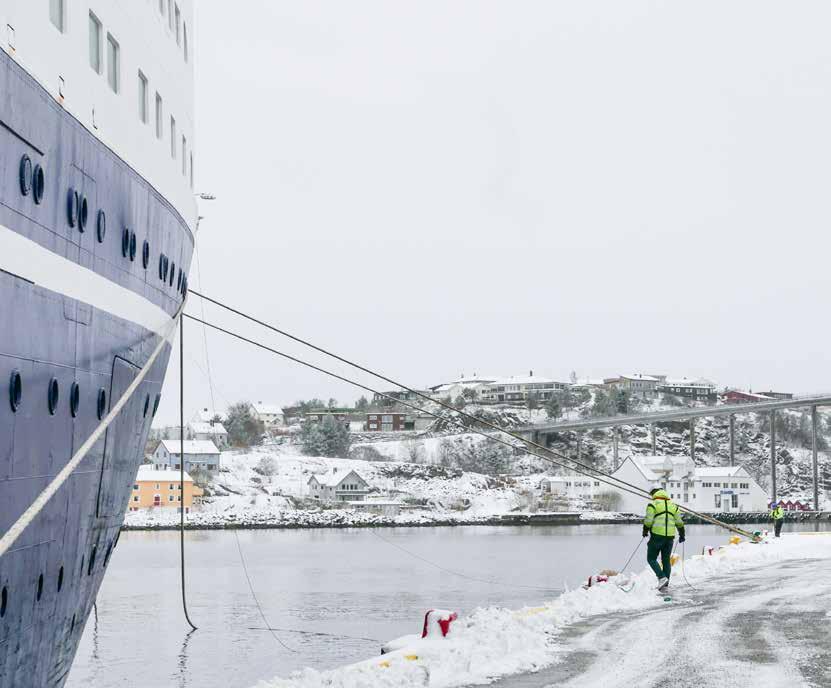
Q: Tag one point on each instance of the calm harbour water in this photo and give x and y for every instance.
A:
(347, 583)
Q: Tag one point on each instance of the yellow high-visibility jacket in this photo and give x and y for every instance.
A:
(778, 513)
(662, 515)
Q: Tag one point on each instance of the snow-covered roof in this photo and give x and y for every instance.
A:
(207, 428)
(656, 467)
(267, 409)
(334, 478)
(146, 472)
(687, 382)
(191, 446)
(644, 378)
(524, 380)
(717, 471)
(589, 382)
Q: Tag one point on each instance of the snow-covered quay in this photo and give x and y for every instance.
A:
(757, 615)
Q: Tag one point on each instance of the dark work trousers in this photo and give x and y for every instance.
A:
(777, 526)
(659, 545)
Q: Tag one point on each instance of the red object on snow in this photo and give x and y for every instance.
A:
(438, 617)
(593, 580)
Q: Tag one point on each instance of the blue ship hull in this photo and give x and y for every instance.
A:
(50, 577)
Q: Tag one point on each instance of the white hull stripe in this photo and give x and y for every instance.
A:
(31, 261)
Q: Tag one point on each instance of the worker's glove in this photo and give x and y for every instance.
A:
(681, 535)
(645, 531)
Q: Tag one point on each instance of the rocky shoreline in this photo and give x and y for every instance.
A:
(340, 520)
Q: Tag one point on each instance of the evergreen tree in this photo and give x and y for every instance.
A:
(361, 404)
(243, 429)
(329, 437)
(553, 407)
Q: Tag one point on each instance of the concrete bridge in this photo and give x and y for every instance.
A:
(542, 432)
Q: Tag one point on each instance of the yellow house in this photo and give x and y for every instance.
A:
(159, 488)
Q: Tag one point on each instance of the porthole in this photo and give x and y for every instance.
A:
(72, 625)
(179, 281)
(74, 399)
(91, 561)
(83, 214)
(40, 587)
(15, 390)
(60, 579)
(161, 266)
(132, 246)
(25, 175)
(54, 394)
(156, 404)
(102, 403)
(82, 563)
(4, 601)
(146, 405)
(101, 226)
(38, 184)
(125, 242)
(172, 273)
(145, 254)
(185, 286)
(166, 268)
(72, 203)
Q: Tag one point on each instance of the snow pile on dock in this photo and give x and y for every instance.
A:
(495, 642)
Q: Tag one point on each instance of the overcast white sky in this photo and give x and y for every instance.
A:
(437, 188)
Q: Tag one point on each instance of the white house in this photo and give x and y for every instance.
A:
(702, 488)
(457, 388)
(198, 454)
(338, 486)
(573, 486)
(215, 432)
(519, 389)
(271, 415)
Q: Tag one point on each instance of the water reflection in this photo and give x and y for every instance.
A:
(183, 660)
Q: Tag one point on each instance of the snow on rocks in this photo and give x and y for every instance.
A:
(494, 642)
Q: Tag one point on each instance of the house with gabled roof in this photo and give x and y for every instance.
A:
(340, 485)
(715, 489)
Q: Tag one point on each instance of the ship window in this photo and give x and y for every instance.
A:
(53, 396)
(146, 405)
(91, 560)
(15, 391)
(38, 184)
(145, 254)
(172, 137)
(101, 226)
(40, 587)
(102, 402)
(25, 175)
(172, 273)
(156, 404)
(57, 14)
(178, 26)
(4, 601)
(74, 399)
(144, 115)
(60, 579)
(159, 117)
(125, 242)
(113, 64)
(132, 246)
(94, 43)
(184, 156)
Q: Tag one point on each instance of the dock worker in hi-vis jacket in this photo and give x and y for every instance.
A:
(777, 515)
(660, 523)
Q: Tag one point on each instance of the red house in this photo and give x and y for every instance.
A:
(737, 396)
